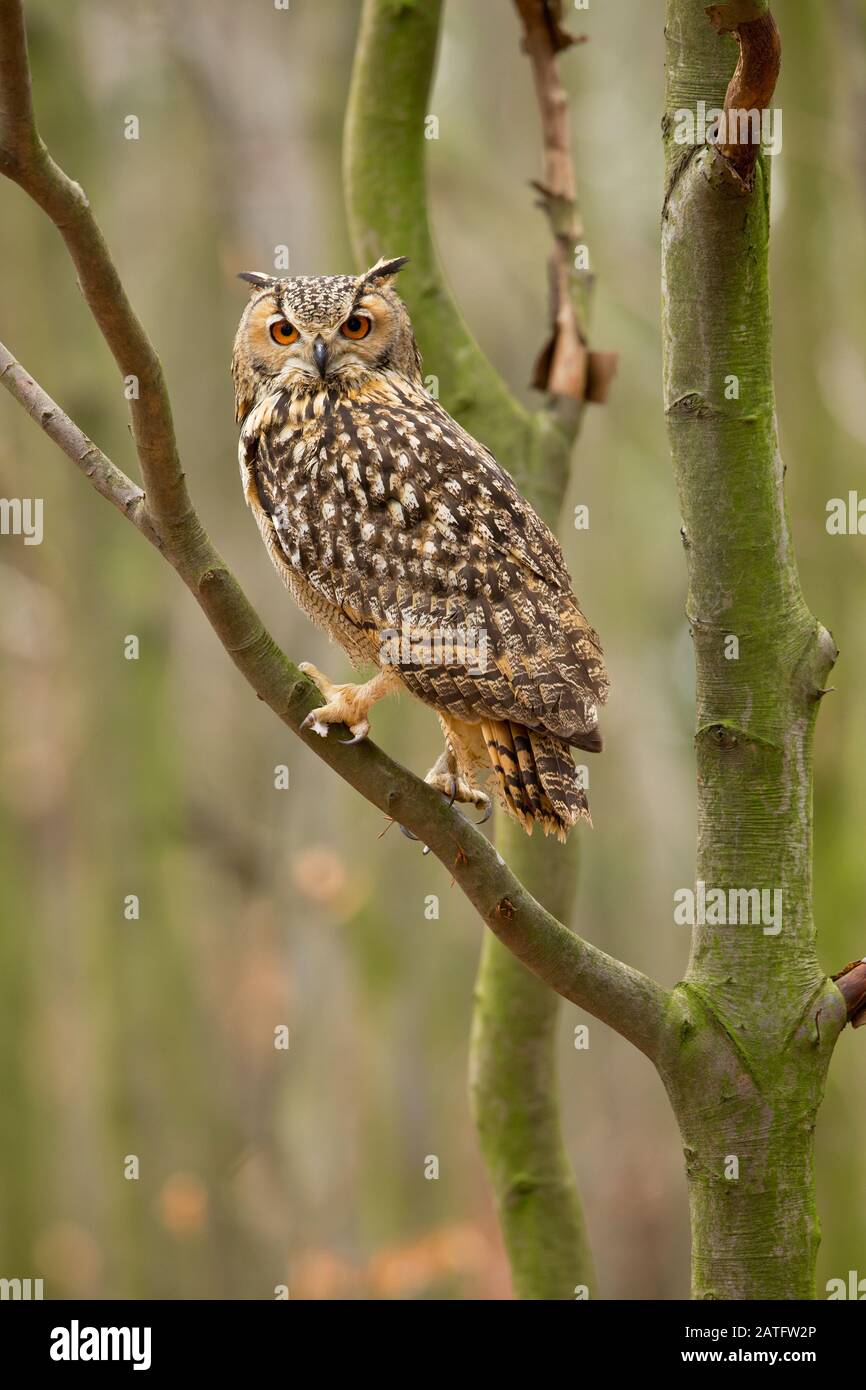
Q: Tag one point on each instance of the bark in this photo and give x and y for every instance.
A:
(754, 1023)
(514, 1088)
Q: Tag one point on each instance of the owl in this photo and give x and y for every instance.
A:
(401, 536)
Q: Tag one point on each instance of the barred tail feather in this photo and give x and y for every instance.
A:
(538, 781)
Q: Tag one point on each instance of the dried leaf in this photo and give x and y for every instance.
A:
(602, 367)
(541, 368)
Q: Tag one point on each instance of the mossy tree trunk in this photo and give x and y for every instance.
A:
(754, 1023)
(513, 1067)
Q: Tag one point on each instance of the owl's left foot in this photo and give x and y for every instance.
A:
(346, 704)
(454, 787)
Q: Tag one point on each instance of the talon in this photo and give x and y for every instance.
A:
(360, 732)
(409, 836)
(488, 812)
(453, 795)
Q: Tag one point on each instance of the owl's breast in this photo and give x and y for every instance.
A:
(363, 502)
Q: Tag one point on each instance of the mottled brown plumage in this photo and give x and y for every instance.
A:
(402, 536)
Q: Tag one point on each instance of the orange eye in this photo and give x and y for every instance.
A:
(284, 332)
(356, 327)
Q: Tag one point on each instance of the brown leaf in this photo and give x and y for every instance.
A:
(601, 369)
(541, 367)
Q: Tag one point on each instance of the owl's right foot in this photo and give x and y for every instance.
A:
(346, 704)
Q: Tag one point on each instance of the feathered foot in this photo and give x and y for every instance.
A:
(346, 704)
(446, 777)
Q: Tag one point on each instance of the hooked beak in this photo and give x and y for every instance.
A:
(320, 353)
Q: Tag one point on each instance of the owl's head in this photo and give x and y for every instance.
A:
(303, 333)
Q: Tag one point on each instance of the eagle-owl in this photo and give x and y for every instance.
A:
(402, 537)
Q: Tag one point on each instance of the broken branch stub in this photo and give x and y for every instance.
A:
(851, 981)
(751, 88)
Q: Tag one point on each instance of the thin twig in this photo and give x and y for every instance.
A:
(109, 480)
(565, 367)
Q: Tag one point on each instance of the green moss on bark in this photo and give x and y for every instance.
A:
(753, 1027)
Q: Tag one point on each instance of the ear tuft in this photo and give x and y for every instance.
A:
(257, 278)
(385, 269)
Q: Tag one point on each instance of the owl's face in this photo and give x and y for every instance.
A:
(304, 333)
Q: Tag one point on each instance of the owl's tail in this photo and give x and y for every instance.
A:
(538, 781)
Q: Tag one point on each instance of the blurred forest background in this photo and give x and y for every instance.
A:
(155, 777)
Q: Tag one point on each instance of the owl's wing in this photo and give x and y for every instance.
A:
(406, 523)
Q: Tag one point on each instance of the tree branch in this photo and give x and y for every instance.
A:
(748, 1061)
(24, 159)
(109, 480)
(384, 172)
(851, 982)
(565, 367)
(630, 1002)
